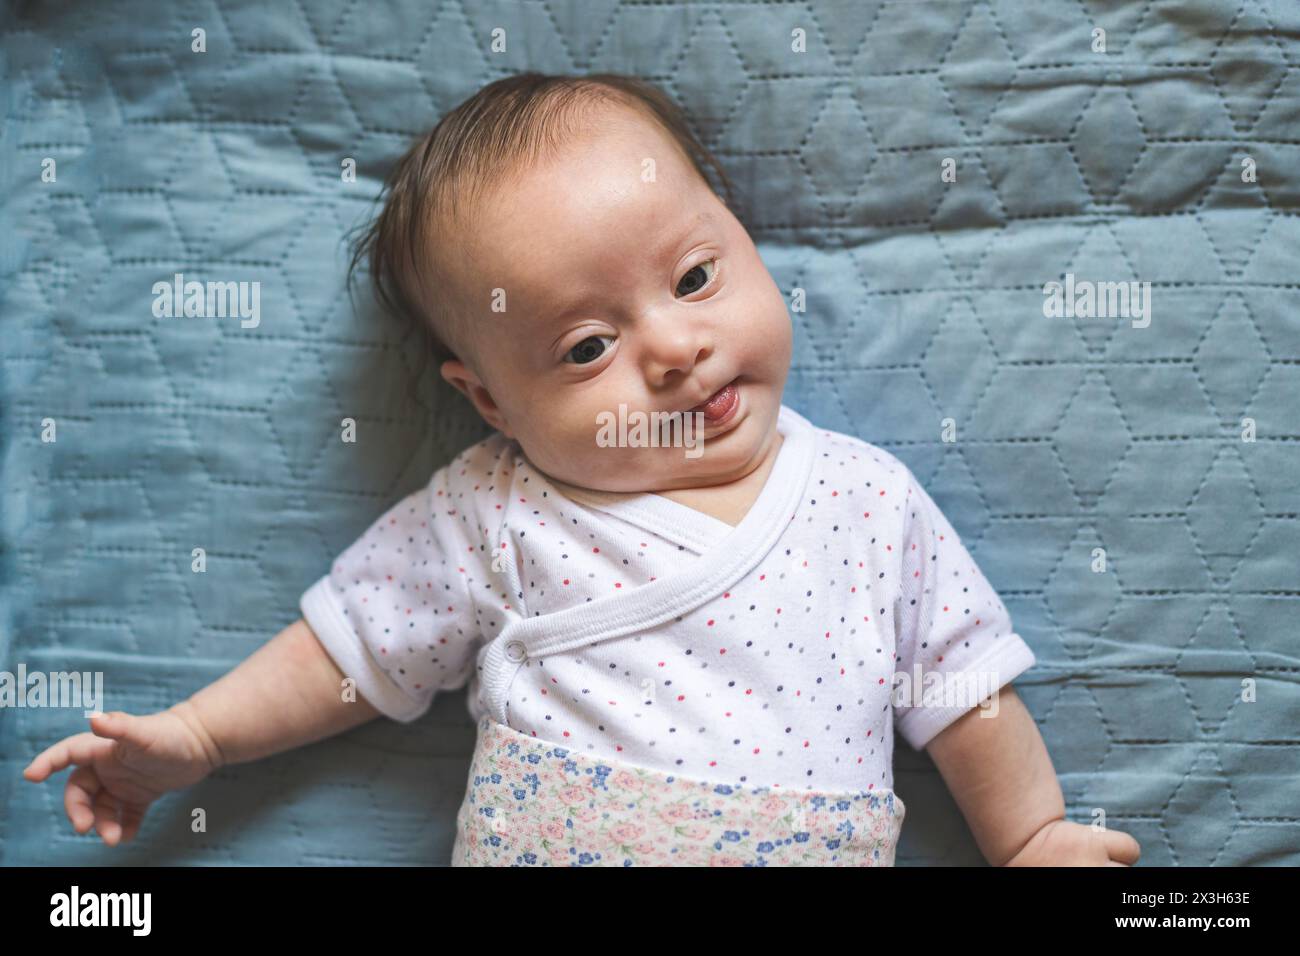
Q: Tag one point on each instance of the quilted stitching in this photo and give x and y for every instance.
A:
(924, 302)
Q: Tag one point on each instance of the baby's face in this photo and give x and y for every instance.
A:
(624, 289)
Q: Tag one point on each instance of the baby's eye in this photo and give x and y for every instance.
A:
(588, 350)
(694, 280)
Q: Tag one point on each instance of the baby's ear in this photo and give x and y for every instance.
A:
(455, 372)
(467, 383)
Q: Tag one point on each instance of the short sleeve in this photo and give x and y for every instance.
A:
(395, 611)
(948, 620)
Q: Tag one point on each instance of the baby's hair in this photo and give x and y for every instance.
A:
(507, 124)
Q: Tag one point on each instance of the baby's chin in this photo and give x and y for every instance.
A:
(710, 460)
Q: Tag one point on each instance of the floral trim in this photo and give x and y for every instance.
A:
(531, 802)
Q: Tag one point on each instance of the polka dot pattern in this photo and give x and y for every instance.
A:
(782, 679)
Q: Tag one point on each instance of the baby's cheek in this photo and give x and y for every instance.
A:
(575, 447)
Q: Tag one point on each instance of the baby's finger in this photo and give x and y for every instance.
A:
(78, 749)
(1113, 863)
(131, 819)
(106, 818)
(78, 795)
(1122, 847)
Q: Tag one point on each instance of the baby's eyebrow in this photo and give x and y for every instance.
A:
(703, 216)
(555, 316)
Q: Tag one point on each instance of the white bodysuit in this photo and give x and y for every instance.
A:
(631, 627)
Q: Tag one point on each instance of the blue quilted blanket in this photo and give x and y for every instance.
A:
(1049, 249)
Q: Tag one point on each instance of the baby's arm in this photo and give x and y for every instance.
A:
(1002, 778)
(288, 693)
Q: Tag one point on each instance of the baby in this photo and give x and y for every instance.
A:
(672, 657)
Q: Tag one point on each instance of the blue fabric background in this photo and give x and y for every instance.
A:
(924, 302)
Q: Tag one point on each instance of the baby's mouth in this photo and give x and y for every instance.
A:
(721, 403)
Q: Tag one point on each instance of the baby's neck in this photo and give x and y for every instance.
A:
(729, 503)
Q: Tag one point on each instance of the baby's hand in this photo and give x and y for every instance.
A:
(1062, 843)
(122, 767)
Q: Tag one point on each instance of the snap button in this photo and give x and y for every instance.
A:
(516, 651)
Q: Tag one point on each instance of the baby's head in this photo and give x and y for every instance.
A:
(559, 238)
